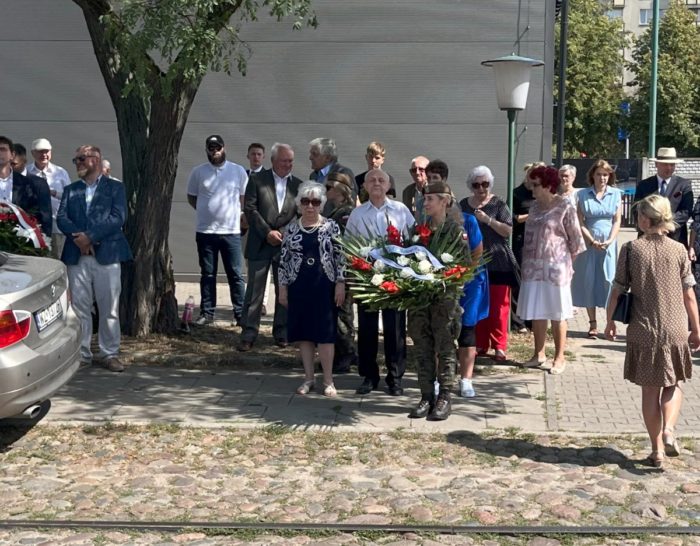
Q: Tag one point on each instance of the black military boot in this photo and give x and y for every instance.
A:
(442, 408)
(424, 407)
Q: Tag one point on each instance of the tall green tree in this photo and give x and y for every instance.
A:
(594, 80)
(153, 55)
(678, 90)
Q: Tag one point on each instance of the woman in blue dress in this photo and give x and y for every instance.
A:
(312, 284)
(475, 306)
(600, 214)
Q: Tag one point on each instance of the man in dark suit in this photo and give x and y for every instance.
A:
(323, 155)
(19, 165)
(21, 190)
(269, 206)
(676, 189)
(92, 214)
(412, 195)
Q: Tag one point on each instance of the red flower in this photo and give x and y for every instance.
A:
(389, 286)
(456, 271)
(393, 235)
(360, 264)
(423, 231)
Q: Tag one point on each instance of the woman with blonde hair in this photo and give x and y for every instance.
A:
(656, 270)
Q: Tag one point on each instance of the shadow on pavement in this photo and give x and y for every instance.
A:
(527, 449)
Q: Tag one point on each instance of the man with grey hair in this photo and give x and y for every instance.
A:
(323, 155)
(370, 219)
(269, 206)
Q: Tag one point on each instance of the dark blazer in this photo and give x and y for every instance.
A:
(680, 193)
(260, 207)
(31, 193)
(103, 224)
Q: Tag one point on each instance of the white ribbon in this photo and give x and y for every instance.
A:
(376, 254)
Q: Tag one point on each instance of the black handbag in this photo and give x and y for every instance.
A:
(623, 308)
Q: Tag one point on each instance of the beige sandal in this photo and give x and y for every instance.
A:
(306, 386)
(329, 390)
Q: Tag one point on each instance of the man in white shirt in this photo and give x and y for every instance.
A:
(215, 190)
(57, 178)
(370, 219)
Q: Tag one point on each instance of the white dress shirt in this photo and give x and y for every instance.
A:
(280, 190)
(6, 189)
(370, 221)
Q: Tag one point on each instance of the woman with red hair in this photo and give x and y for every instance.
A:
(552, 240)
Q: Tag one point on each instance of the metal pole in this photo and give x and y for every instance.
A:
(654, 76)
(511, 157)
(563, 62)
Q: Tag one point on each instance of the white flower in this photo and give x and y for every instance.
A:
(403, 261)
(421, 255)
(430, 277)
(365, 250)
(23, 233)
(415, 239)
(446, 257)
(379, 265)
(377, 279)
(406, 272)
(424, 266)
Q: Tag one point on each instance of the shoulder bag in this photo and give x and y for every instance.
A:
(623, 308)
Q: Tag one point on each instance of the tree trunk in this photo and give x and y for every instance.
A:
(150, 132)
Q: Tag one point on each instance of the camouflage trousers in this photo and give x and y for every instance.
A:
(434, 331)
(345, 335)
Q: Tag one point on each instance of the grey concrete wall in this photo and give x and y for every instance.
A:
(406, 72)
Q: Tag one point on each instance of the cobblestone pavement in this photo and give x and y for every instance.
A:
(276, 474)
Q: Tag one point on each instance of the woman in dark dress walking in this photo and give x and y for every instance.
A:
(312, 285)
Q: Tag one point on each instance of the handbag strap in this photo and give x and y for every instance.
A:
(629, 278)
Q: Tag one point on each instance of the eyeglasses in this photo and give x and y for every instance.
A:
(477, 185)
(330, 186)
(81, 158)
(414, 170)
(214, 147)
(305, 202)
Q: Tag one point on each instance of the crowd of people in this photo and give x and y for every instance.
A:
(556, 250)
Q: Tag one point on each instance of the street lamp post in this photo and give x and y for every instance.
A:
(512, 76)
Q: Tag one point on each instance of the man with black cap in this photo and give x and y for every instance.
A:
(215, 190)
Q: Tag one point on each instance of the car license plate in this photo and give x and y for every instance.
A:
(48, 315)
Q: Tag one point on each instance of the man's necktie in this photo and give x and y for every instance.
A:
(663, 188)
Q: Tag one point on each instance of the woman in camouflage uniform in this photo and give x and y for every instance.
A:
(435, 328)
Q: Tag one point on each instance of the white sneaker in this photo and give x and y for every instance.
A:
(437, 388)
(466, 389)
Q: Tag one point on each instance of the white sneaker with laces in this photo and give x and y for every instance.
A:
(466, 389)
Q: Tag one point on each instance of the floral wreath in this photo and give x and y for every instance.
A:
(20, 232)
(412, 272)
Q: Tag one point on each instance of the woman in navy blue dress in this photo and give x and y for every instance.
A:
(312, 285)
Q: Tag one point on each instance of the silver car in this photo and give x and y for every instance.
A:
(39, 334)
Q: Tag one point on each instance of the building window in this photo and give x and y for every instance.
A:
(621, 3)
(691, 2)
(645, 17)
(614, 14)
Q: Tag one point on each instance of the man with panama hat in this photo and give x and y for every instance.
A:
(676, 189)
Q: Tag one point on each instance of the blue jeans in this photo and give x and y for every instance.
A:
(209, 245)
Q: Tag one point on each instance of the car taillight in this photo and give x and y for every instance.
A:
(14, 327)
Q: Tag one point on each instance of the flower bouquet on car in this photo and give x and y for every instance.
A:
(407, 272)
(20, 232)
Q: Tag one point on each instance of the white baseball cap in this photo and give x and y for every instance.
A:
(41, 144)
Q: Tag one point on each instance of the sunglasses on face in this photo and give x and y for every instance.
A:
(305, 202)
(81, 159)
(477, 185)
(330, 186)
(214, 148)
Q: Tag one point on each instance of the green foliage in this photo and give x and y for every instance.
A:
(380, 285)
(594, 80)
(678, 88)
(160, 42)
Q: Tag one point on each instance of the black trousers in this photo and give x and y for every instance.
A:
(394, 343)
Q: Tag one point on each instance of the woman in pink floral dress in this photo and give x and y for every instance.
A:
(552, 240)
